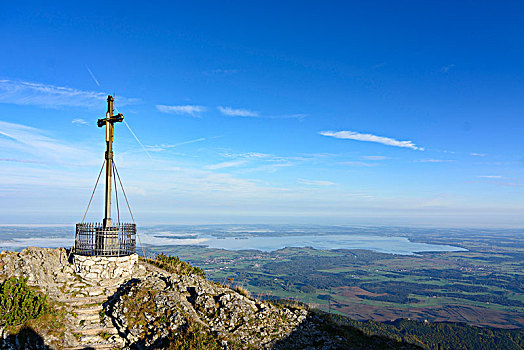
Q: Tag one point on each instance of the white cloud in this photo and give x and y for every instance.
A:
(22, 139)
(434, 160)
(490, 176)
(259, 162)
(248, 155)
(192, 110)
(237, 112)
(240, 112)
(50, 96)
(353, 135)
(375, 157)
(223, 165)
(79, 121)
(164, 146)
(298, 116)
(478, 154)
(315, 182)
(20, 161)
(187, 142)
(154, 148)
(362, 164)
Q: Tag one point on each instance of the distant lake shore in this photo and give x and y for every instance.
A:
(247, 237)
(381, 244)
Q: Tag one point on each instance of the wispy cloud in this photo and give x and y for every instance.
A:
(237, 112)
(51, 96)
(490, 176)
(26, 140)
(248, 155)
(242, 112)
(434, 160)
(230, 164)
(357, 163)
(353, 135)
(20, 161)
(184, 143)
(259, 161)
(447, 68)
(164, 146)
(376, 157)
(192, 110)
(500, 180)
(315, 182)
(79, 121)
(188, 142)
(298, 116)
(478, 154)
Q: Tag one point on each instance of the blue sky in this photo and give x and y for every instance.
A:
(345, 112)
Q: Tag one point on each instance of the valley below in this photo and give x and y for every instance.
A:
(478, 278)
(474, 276)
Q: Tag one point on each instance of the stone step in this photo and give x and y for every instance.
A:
(88, 310)
(89, 317)
(83, 301)
(96, 331)
(94, 346)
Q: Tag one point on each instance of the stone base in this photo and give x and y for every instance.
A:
(97, 268)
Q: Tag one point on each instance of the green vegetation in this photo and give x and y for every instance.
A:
(429, 335)
(482, 286)
(28, 314)
(138, 305)
(173, 264)
(104, 335)
(402, 332)
(194, 337)
(19, 303)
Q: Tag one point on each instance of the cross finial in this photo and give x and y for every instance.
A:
(109, 115)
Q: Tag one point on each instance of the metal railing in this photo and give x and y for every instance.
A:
(94, 239)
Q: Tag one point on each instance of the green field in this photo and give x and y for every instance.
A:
(481, 286)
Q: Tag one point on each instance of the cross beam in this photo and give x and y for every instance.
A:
(108, 122)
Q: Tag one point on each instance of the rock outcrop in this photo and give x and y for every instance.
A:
(156, 309)
(151, 312)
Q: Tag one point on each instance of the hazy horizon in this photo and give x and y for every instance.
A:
(317, 113)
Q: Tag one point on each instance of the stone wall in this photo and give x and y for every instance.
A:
(101, 267)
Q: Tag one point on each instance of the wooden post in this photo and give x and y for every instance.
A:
(109, 161)
(108, 122)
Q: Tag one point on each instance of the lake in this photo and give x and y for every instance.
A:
(231, 239)
(383, 244)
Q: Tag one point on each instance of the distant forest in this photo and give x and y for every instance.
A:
(429, 335)
(425, 335)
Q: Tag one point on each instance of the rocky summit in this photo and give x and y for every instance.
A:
(152, 309)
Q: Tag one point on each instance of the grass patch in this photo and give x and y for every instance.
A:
(242, 291)
(104, 335)
(173, 264)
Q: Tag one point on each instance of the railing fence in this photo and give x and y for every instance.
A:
(95, 239)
